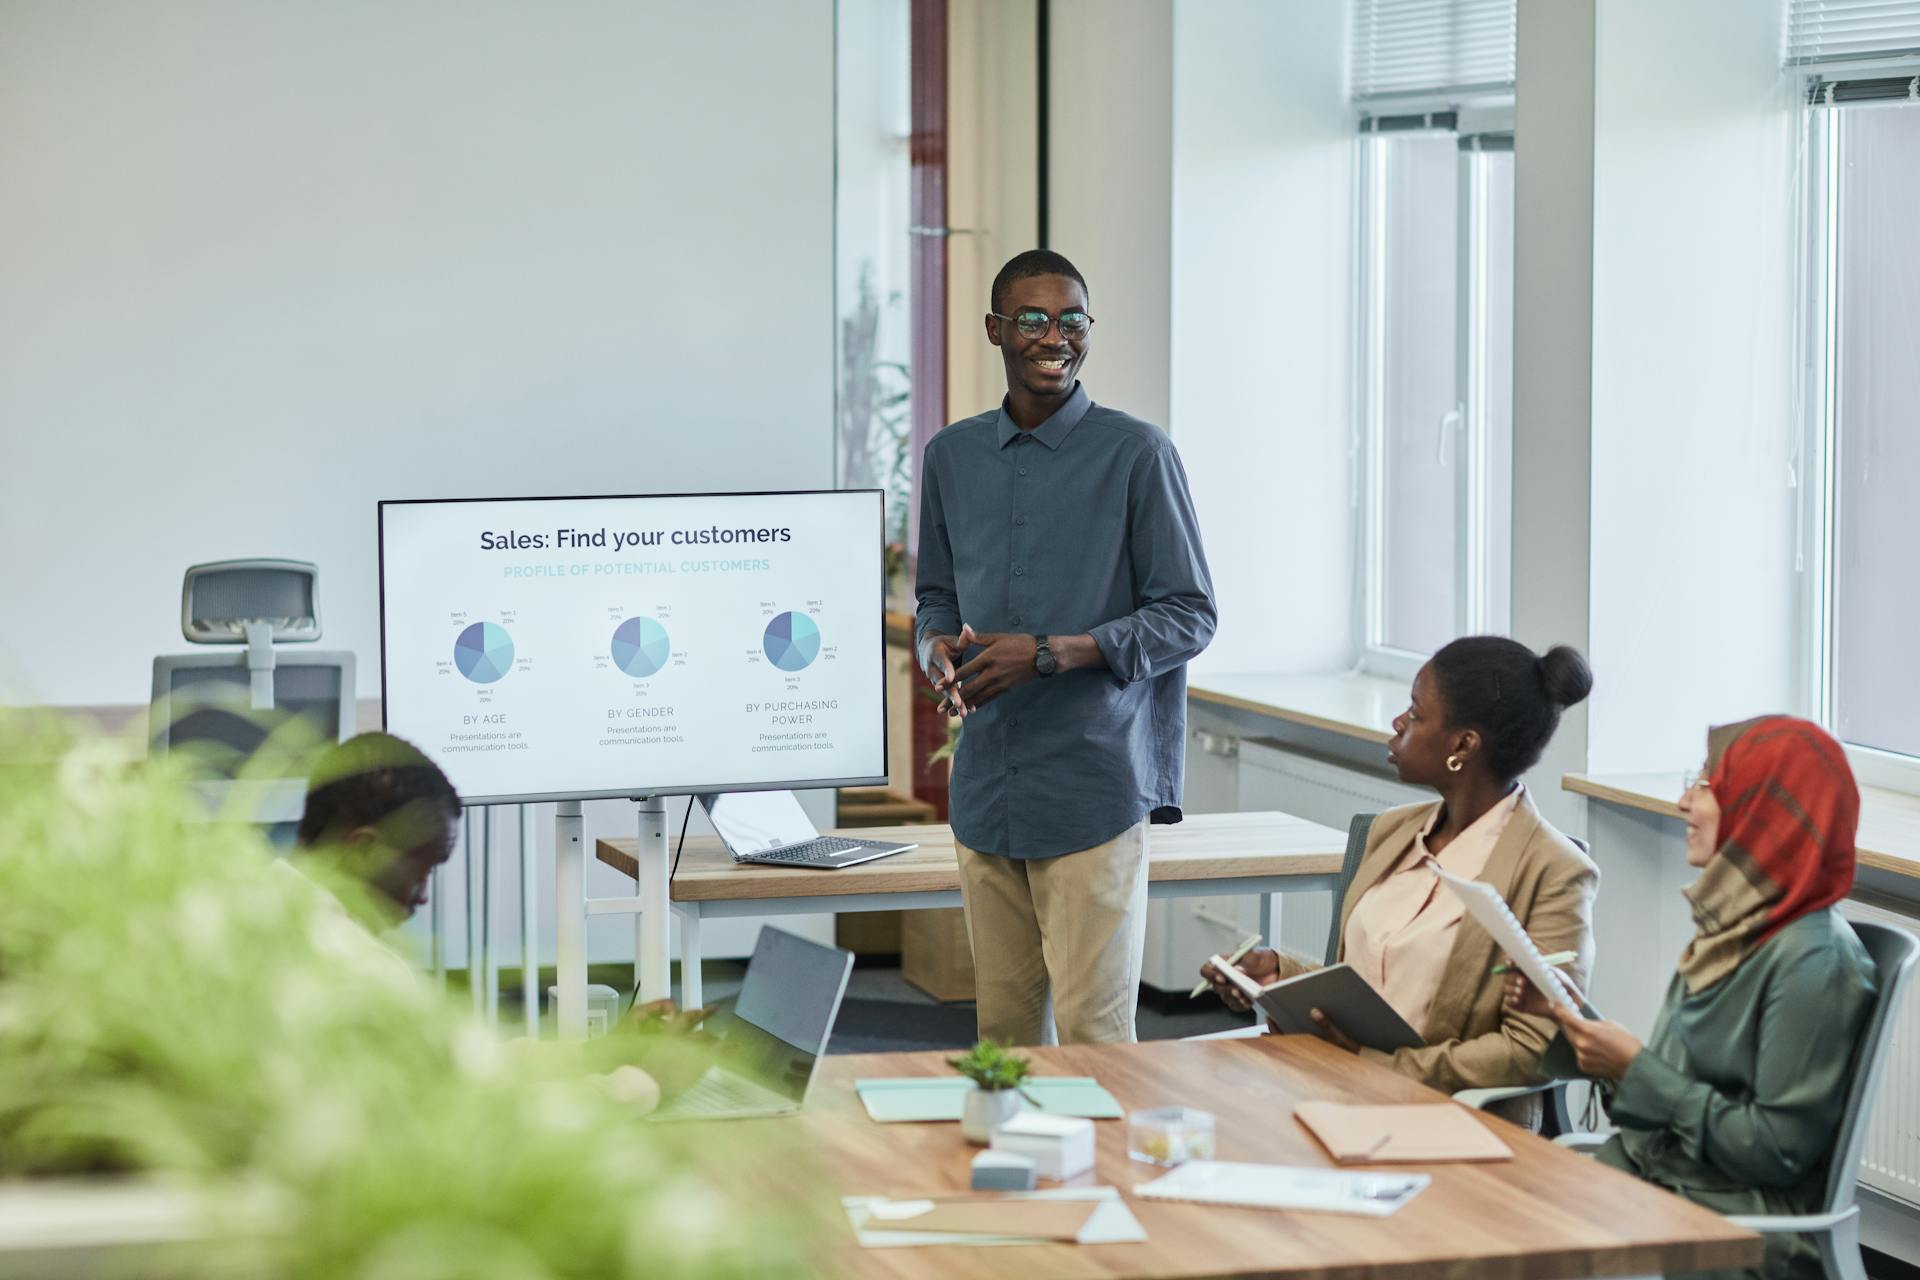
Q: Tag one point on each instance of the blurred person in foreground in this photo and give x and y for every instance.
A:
(382, 816)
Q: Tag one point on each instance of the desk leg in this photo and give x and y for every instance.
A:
(653, 937)
(529, 926)
(1267, 939)
(691, 994)
(570, 922)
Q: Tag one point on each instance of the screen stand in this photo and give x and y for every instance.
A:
(653, 926)
(570, 923)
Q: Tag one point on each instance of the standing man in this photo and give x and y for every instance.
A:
(1062, 590)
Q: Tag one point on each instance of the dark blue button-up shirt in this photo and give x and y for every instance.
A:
(1082, 525)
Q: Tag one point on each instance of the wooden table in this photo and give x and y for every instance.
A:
(1889, 833)
(1548, 1212)
(1208, 854)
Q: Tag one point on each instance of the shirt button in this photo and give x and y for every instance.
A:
(1019, 519)
(1018, 570)
(1016, 619)
(1013, 768)
(1023, 471)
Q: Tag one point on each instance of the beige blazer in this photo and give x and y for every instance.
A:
(1473, 1041)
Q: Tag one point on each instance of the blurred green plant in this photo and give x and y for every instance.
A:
(992, 1066)
(947, 749)
(176, 1003)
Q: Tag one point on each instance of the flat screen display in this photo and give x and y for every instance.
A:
(571, 648)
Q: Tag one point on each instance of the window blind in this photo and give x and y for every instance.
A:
(1456, 49)
(1831, 31)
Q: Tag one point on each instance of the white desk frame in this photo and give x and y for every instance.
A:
(653, 946)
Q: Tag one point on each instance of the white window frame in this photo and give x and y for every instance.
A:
(1816, 464)
(1464, 430)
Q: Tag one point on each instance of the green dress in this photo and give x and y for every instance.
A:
(1735, 1100)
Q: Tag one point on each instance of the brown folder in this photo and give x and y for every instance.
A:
(998, 1216)
(1419, 1133)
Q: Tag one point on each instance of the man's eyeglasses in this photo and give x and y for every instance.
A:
(1034, 323)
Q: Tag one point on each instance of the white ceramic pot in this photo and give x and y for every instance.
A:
(986, 1110)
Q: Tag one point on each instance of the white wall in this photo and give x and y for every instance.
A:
(1261, 299)
(1554, 270)
(266, 264)
(1109, 172)
(1693, 589)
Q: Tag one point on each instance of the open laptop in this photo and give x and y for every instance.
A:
(770, 826)
(773, 1033)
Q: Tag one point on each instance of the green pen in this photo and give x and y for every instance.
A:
(1558, 957)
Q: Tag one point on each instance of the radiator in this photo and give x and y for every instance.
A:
(1890, 1158)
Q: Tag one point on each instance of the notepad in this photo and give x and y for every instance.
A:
(1489, 910)
(1275, 1186)
(1339, 992)
(1421, 1133)
(914, 1098)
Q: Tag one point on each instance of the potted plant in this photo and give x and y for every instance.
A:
(996, 1072)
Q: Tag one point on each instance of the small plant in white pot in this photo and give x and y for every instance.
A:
(996, 1072)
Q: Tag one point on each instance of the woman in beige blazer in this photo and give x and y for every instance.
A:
(1482, 712)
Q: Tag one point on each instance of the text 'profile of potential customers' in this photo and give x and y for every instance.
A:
(572, 647)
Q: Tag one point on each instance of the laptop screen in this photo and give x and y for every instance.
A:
(755, 821)
(777, 1028)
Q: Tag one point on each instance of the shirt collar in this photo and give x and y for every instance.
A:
(1488, 824)
(1054, 430)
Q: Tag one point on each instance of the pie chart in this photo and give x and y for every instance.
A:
(484, 652)
(640, 647)
(792, 641)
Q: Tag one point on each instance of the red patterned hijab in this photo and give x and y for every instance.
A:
(1788, 812)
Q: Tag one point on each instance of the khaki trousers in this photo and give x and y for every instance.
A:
(1075, 925)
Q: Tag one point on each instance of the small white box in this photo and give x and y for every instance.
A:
(1059, 1146)
(1002, 1171)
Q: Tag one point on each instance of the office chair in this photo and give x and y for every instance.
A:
(254, 715)
(1835, 1228)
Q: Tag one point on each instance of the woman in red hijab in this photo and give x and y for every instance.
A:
(1734, 1101)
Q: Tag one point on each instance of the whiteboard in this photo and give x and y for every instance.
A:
(573, 648)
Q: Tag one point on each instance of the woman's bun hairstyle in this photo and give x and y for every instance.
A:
(1566, 675)
(1512, 696)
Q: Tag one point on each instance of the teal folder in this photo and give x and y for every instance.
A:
(899, 1098)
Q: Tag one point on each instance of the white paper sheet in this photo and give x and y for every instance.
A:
(1490, 910)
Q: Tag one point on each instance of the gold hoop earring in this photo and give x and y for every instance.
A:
(1455, 764)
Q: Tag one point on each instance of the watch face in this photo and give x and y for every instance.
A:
(1043, 660)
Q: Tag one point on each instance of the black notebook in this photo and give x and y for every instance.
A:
(1337, 991)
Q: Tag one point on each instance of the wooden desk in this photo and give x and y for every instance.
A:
(1548, 1212)
(1208, 854)
(1888, 839)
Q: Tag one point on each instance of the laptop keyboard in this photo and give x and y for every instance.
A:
(810, 850)
(721, 1093)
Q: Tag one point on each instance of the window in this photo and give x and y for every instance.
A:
(1433, 80)
(889, 251)
(1863, 357)
(1437, 385)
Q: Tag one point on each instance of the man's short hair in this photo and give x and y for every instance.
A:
(367, 781)
(1025, 266)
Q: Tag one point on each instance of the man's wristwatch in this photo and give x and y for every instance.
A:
(1043, 660)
